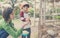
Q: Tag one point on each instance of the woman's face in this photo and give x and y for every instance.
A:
(12, 16)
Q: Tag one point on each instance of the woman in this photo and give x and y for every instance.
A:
(6, 25)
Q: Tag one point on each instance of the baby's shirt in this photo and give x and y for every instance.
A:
(23, 17)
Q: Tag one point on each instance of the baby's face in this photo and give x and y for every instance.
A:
(25, 9)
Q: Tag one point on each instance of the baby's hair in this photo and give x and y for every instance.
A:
(26, 5)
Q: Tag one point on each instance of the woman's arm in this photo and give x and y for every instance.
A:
(13, 32)
(19, 31)
(9, 30)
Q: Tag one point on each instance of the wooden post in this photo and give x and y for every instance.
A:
(40, 21)
(34, 12)
(41, 17)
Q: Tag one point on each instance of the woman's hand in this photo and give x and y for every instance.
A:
(19, 37)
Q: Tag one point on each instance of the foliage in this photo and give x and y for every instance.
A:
(0, 16)
(58, 10)
(49, 17)
(57, 17)
(55, 10)
(31, 11)
(1, 0)
(13, 2)
(36, 15)
(0, 11)
(17, 11)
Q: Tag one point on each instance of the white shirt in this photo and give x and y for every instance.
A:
(26, 15)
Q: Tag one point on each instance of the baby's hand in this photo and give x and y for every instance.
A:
(28, 19)
(25, 23)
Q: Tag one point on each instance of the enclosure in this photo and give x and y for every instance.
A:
(45, 17)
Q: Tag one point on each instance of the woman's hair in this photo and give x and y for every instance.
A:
(26, 5)
(6, 13)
